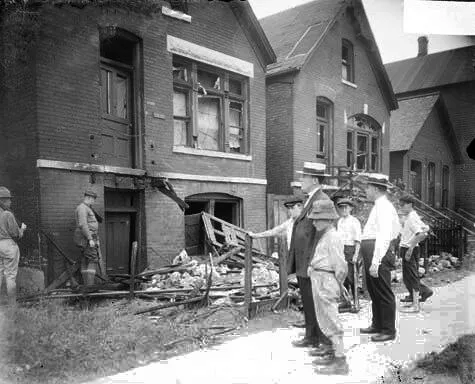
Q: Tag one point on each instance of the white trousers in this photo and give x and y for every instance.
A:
(9, 258)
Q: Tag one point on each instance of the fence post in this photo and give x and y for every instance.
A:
(248, 275)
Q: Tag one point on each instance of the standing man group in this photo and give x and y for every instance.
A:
(10, 232)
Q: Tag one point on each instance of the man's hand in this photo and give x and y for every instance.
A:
(373, 270)
(23, 226)
(408, 254)
(252, 234)
(355, 258)
(92, 244)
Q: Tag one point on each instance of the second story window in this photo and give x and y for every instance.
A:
(209, 107)
(347, 61)
(323, 126)
(363, 140)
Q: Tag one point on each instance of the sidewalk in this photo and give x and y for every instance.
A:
(268, 357)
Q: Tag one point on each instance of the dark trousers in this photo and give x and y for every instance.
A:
(349, 283)
(410, 272)
(312, 329)
(383, 303)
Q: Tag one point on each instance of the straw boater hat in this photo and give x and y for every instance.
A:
(345, 201)
(5, 193)
(323, 210)
(295, 199)
(314, 169)
(376, 179)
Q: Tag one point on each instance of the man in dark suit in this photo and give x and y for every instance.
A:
(302, 246)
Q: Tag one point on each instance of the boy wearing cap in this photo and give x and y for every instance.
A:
(328, 270)
(349, 228)
(413, 231)
(381, 228)
(294, 205)
(302, 246)
(10, 232)
(86, 237)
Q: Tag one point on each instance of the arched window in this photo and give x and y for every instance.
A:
(363, 143)
(324, 122)
(347, 61)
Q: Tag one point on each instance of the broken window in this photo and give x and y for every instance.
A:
(216, 107)
(347, 61)
(323, 126)
(363, 143)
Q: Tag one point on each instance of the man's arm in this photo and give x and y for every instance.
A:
(82, 222)
(276, 231)
(13, 229)
(383, 238)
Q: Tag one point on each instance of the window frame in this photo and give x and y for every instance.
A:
(326, 122)
(431, 167)
(370, 131)
(197, 90)
(349, 63)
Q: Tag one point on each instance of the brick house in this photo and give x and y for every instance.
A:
(435, 124)
(328, 95)
(122, 98)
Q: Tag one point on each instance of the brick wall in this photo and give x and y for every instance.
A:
(460, 101)
(280, 147)
(322, 77)
(432, 145)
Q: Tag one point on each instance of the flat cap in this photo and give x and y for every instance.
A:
(295, 199)
(5, 192)
(323, 210)
(91, 193)
(345, 201)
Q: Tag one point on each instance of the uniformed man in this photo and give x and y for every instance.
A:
(10, 232)
(302, 246)
(86, 237)
(413, 231)
(381, 228)
(327, 271)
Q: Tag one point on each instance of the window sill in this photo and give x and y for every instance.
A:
(176, 14)
(349, 83)
(204, 152)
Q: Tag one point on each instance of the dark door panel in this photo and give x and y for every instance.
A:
(118, 230)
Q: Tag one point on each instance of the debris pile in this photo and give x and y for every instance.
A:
(439, 263)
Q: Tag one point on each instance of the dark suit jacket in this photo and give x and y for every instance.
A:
(303, 241)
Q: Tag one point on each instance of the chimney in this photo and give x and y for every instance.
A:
(423, 42)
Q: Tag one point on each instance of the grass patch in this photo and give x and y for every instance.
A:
(51, 342)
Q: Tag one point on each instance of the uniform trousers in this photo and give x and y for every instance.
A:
(9, 258)
(383, 302)
(410, 272)
(312, 328)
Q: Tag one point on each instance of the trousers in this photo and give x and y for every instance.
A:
(349, 283)
(9, 259)
(383, 303)
(410, 272)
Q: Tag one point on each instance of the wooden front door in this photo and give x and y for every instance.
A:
(118, 230)
(117, 116)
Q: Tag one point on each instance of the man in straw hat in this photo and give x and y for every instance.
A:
(381, 228)
(86, 237)
(10, 233)
(327, 271)
(302, 245)
(294, 205)
(413, 231)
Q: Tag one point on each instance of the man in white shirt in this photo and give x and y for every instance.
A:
(381, 228)
(412, 233)
(349, 229)
(294, 205)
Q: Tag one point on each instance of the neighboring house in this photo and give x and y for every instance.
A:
(434, 125)
(122, 98)
(328, 95)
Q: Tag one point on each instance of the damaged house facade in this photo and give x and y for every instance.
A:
(140, 103)
(329, 98)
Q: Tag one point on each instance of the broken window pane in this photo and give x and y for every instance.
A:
(235, 86)
(374, 153)
(180, 111)
(180, 72)
(209, 80)
(121, 96)
(179, 132)
(362, 151)
(106, 91)
(235, 126)
(180, 104)
(209, 121)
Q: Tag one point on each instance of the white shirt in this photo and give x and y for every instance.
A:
(382, 226)
(412, 225)
(349, 228)
(284, 228)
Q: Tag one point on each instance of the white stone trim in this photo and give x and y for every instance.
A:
(176, 14)
(204, 152)
(349, 83)
(209, 56)
(215, 179)
(84, 167)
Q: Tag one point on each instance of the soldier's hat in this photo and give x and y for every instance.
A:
(5, 193)
(346, 201)
(295, 199)
(323, 210)
(91, 193)
(314, 169)
(377, 179)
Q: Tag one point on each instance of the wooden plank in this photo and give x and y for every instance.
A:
(248, 275)
(133, 262)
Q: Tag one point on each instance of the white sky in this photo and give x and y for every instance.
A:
(386, 19)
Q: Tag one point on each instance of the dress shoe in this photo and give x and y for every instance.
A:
(425, 296)
(304, 343)
(321, 350)
(380, 337)
(299, 324)
(406, 299)
(369, 330)
(338, 366)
